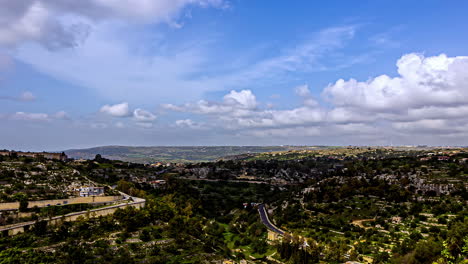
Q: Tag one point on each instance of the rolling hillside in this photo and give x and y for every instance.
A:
(172, 154)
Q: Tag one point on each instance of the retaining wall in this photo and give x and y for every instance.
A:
(21, 227)
(76, 200)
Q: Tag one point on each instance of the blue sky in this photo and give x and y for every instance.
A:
(232, 72)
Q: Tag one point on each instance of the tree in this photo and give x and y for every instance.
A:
(145, 235)
(381, 257)
(40, 228)
(427, 251)
(260, 246)
(98, 158)
(22, 198)
(23, 205)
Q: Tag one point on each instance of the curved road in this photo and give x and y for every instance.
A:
(266, 221)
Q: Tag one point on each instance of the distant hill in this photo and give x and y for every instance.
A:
(172, 154)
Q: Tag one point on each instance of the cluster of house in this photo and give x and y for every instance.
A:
(421, 184)
(87, 191)
(48, 155)
(161, 164)
(251, 204)
(439, 158)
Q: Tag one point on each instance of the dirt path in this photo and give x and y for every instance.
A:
(360, 222)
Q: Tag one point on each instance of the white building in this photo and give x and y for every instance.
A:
(90, 191)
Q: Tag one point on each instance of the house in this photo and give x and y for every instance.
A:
(86, 191)
(157, 183)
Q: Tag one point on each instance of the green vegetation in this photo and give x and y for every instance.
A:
(172, 154)
(366, 205)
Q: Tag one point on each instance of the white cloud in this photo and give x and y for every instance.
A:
(239, 109)
(117, 110)
(302, 90)
(307, 97)
(432, 81)
(96, 64)
(48, 21)
(26, 116)
(167, 69)
(293, 117)
(235, 103)
(244, 99)
(35, 21)
(429, 96)
(143, 115)
(430, 126)
(184, 122)
(188, 123)
(30, 116)
(345, 115)
(286, 132)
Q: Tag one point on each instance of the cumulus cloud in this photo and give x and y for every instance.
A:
(245, 99)
(239, 109)
(236, 103)
(432, 81)
(430, 95)
(53, 23)
(143, 115)
(117, 110)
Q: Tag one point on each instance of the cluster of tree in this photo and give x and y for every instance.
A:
(296, 250)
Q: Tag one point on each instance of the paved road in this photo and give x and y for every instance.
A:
(136, 200)
(266, 221)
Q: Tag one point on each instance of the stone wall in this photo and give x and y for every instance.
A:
(76, 200)
(20, 228)
(47, 155)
